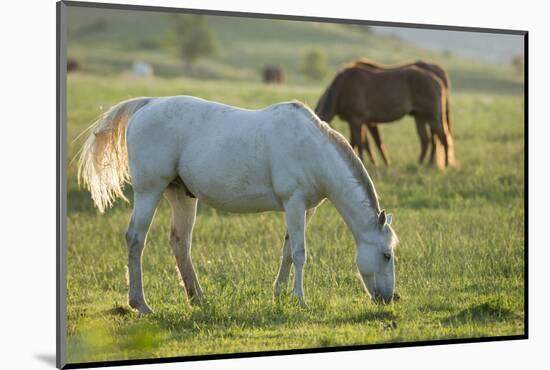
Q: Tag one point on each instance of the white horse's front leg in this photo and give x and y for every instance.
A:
(286, 261)
(295, 214)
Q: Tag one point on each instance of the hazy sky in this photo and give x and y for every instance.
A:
(496, 48)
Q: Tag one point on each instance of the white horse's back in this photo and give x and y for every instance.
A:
(233, 159)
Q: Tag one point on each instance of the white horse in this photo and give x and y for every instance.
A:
(280, 158)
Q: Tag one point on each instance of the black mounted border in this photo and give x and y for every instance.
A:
(61, 119)
(61, 191)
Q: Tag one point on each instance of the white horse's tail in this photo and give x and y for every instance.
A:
(103, 159)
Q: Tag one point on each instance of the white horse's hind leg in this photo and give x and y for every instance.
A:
(184, 210)
(284, 269)
(142, 215)
(286, 261)
(295, 214)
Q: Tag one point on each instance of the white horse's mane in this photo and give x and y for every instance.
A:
(345, 150)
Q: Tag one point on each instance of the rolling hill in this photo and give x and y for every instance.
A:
(108, 41)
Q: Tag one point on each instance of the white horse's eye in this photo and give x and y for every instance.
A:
(387, 256)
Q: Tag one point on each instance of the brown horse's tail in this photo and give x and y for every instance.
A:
(447, 83)
(447, 129)
(326, 107)
(444, 77)
(448, 114)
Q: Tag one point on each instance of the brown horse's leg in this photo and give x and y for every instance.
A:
(355, 140)
(434, 146)
(438, 129)
(378, 140)
(366, 143)
(423, 135)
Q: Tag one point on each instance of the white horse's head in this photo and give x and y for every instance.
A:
(375, 259)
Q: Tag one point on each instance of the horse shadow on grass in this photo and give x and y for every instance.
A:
(482, 313)
(388, 318)
(121, 330)
(209, 317)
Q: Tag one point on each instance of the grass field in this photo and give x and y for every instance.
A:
(460, 261)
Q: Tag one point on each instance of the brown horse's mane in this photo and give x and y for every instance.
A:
(363, 61)
(345, 150)
(442, 79)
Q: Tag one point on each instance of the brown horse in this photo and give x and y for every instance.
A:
(362, 95)
(373, 128)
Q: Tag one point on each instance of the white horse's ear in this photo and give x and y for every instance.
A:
(382, 218)
(389, 218)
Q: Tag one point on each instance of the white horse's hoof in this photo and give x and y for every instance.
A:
(142, 308)
(196, 300)
(277, 291)
(277, 297)
(300, 299)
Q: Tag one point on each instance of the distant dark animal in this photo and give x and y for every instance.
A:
(72, 65)
(431, 67)
(362, 95)
(273, 74)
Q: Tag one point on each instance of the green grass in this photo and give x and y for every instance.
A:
(460, 261)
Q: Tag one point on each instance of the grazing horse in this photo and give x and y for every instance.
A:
(280, 158)
(421, 129)
(361, 95)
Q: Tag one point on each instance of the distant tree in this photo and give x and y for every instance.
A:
(518, 63)
(195, 38)
(315, 64)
